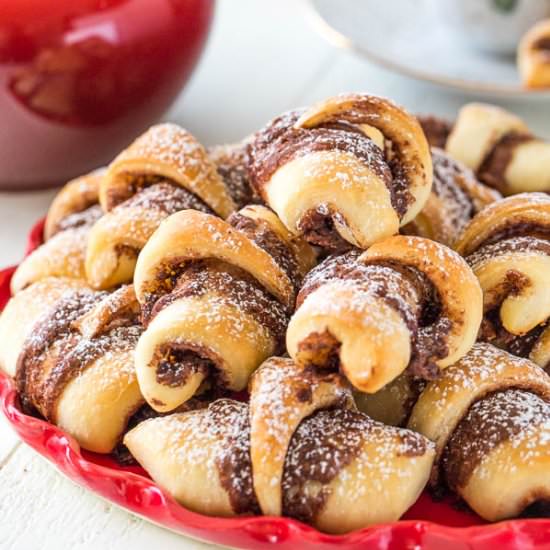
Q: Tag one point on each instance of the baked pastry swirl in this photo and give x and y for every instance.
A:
(405, 303)
(507, 245)
(348, 171)
(71, 355)
(499, 147)
(298, 449)
(215, 296)
(436, 129)
(163, 171)
(72, 213)
(232, 164)
(455, 198)
(534, 56)
(489, 416)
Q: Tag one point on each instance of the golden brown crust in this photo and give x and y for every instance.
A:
(117, 238)
(70, 217)
(163, 171)
(75, 362)
(499, 147)
(484, 415)
(323, 459)
(519, 215)
(405, 302)
(172, 153)
(215, 297)
(508, 247)
(76, 196)
(349, 170)
(455, 198)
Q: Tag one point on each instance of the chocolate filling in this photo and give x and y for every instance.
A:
(320, 349)
(344, 266)
(436, 130)
(176, 363)
(230, 420)
(520, 345)
(229, 279)
(537, 509)
(229, 283)
(516, 229)
(166, 197)
(162, 198)
(507, 245)
(260, 232)
(317, 227)
(405, 289)
(491, 421)
(514, 283)
(132, 183)
(55, 324)
(401, 197)
(447, 184)
(84, 218)
(323, 445)
(130, 252)
(77, 356)
(542, 43)
(453, 201)
(55, 340)
(492, 171)
(421, 309)
(231, 162)
(279, 143)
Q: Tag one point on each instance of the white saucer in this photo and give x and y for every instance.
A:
(405, 36)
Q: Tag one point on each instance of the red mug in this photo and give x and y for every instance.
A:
(79, 79)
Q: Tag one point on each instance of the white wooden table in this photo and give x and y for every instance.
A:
(262, 58)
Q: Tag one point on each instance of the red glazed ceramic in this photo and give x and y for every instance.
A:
(428, 525)
(80, 78)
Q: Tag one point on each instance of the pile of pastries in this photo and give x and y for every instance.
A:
(317, 322)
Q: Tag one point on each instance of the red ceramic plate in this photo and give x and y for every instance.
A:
(428, 525)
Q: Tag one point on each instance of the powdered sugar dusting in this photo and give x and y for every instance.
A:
(329, 441)
(176, 148)
(518, 418)
(56, 352)
(218, 438)
(482, 363)
(143, 212)
(321, 448)
(344, 285)
(280, 394)
(170, 144)
(530, 432)
(506, 249)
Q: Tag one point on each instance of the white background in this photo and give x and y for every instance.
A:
(262, 58)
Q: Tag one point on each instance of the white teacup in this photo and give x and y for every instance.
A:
(492, 25)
